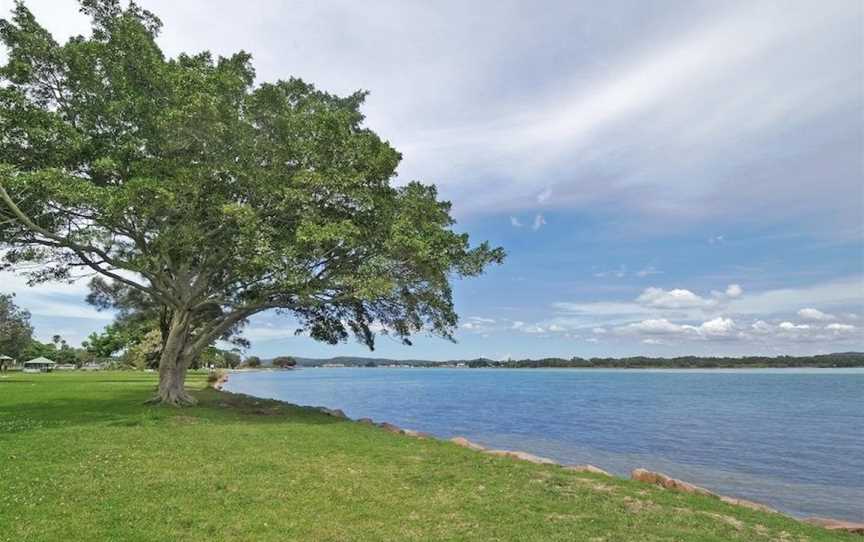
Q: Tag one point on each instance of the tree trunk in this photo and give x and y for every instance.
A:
(173, 363)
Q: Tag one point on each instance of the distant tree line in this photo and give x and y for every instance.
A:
(133, 340)
(850, 359)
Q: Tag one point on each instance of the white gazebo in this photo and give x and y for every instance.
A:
(6, 362)
(39, 365)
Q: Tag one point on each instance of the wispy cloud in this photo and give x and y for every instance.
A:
(538, 223)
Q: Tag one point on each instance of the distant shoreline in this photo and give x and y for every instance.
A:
(845, 360)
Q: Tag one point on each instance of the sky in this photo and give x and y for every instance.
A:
(667, 178)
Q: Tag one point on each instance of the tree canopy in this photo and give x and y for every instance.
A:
(284, 362)
(210, 198)
(16, 333)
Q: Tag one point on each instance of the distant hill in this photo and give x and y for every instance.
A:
(841, 359)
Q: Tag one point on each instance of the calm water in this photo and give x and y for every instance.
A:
(793, 439)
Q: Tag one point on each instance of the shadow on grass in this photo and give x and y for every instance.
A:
(240, 407)
(127, 408)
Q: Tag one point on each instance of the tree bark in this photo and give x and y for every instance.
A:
(173, 364)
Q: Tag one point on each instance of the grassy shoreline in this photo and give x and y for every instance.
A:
(82, 458)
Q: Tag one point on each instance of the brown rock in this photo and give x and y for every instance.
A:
(523, 456)
(748, 504)
(366, 421)
(837, 525)
(587, 468)
(335, 412)
(389, 427)
(660, 479)
(416, 434)
(465, 443)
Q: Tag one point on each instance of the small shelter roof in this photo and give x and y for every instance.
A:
(39, 361)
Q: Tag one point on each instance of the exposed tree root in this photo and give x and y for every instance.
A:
(172, 398)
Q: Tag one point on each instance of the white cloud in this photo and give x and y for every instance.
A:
(597, 121)
(52, 299)
(482, 320)
(671, 299)
(479, 324)
(733, 291)
(718, 327)
(761, 327)
(620, 273)
(840, 328)
(544, 196)
(688, 305)
(815, 315)
(650, 270)
(788, 326)
(658, 326)
(515, 222)
(715, 328)
(538, 223)
(264, 333)
(843, 292)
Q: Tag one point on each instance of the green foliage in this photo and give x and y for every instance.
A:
(215, 357)
(36, 349)
(145, 353)
(202, 199)
(284, 362)
(113, 339)
(15, 329)
(214, 376)
(253, 362)
(850, 359)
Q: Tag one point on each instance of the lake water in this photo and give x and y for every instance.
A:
(792, 439)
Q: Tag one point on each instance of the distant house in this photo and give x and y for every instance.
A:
(39, 365)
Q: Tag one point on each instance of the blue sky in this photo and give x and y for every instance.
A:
(666, 177)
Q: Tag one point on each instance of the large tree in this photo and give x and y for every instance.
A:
(210, 197)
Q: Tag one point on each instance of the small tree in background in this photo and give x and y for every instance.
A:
(252, 362)
(284, 362)
(16, 333)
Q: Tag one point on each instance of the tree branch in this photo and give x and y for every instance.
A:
(79, 250)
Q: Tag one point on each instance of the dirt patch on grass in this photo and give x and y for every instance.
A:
(270, 411)
(596, 486)
(638, 506)
(728, 520)
(185, 420)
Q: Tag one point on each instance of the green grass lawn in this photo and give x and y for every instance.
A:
(82, 458)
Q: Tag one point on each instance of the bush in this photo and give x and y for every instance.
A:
(214, 377)
(284, 362)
